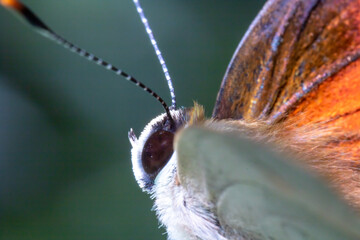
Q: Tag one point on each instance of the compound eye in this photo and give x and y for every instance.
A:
(157, 151)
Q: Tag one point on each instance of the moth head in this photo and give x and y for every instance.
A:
(153, 150)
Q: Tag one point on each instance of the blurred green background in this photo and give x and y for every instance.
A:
(65, 170)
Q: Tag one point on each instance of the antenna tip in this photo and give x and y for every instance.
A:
(12, 4)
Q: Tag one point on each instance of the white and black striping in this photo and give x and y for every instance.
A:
(108, 66)
(157, 52)
(43, 29)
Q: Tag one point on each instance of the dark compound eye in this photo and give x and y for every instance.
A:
(157, 151)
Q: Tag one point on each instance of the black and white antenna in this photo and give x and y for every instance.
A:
(44, 30)
(157, 52)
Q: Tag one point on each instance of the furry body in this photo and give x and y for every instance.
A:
(189, 215)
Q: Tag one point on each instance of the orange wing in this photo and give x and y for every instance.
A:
(298, 70)
(291, 49)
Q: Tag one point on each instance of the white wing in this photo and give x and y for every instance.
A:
(257, 194)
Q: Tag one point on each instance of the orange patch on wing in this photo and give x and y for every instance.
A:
(12, 4)
(335, 102)
(334, 109)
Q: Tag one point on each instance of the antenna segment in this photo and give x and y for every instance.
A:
(44, 30)
(157, 51)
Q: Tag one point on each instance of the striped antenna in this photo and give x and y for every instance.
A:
(157, 51)
(44, 30)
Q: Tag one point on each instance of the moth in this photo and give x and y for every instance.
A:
(289, 85)
(292, 85)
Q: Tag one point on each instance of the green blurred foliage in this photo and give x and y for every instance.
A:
(65, 170)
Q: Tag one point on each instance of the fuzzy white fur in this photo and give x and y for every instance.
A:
(186, 216)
